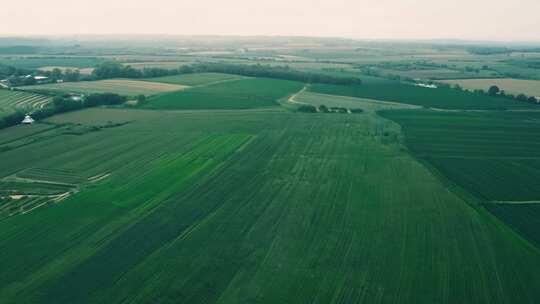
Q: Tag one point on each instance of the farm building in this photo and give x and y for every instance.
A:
(27, 120)
(38, 79)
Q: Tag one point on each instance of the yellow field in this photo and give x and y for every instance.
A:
(509, 85)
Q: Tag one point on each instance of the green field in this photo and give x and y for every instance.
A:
(444, 98)
(117, 86)
(524, 218)
(241, 94)
(12, 101)
(494, 155)
(370, 105)
(219, 188)
(196, 79)
(258, 206)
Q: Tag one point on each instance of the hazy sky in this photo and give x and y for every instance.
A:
(514, 20)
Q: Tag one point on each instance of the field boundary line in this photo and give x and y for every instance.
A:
(514, 202)
(217, 82)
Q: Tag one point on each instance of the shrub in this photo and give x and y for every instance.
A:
(323, 109)
(307, 109)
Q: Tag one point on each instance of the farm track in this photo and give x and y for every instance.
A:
(292, 98)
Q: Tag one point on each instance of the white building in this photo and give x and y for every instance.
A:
(27, 120)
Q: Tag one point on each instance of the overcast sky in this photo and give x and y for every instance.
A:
(510, 20)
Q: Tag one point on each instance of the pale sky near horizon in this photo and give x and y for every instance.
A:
(508, 20)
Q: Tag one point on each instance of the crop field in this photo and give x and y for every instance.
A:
(215, 208)
(241, 94)
(482, 152)
(118, 86)
(369, 105)
(512, 86)
(443, 98)
(11, 101)
(524, 218)
(196, 79)
(22, 131)
(494, 156)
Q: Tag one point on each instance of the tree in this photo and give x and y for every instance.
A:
(94, 100)
(532, 99)
(478, 91)
(323, 109)
(72, 75)
(56, 74)
(141, 99)
(62, 104)
(108, 70)
(522, 97)
(307, 109)
(493, 90)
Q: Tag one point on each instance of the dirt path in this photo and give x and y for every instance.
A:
(292, 98)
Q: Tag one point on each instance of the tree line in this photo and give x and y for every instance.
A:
(117, 70)
(112, 69)
(278, 72)
(496, 91)
(306, 108)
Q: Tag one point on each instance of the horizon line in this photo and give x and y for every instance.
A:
(359, 39)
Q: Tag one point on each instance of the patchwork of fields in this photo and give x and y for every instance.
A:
(215, 189)
(239, 94)
(258, 206)
(117, 86)
(11, 101)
